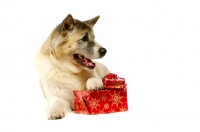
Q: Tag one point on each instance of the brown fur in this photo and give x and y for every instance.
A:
(60, 72)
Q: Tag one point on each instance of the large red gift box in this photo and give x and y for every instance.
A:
(101, 101)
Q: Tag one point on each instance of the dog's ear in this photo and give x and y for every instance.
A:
(92, 21)
(67, 24)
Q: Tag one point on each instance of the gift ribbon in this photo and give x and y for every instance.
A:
(112, 76)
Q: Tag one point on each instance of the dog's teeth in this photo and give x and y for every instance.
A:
(81, 57)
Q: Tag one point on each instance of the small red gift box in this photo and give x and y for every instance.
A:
(100, 101)
(113, 81)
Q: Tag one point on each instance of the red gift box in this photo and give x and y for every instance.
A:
(112, 99)
(100, 101)
(113, 81)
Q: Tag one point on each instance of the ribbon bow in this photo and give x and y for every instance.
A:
(111, 76)
(112, 80)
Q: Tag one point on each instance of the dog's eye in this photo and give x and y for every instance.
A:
(85, 38)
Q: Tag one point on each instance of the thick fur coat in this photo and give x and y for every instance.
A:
(65, 63)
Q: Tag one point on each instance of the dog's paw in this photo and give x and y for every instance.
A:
(94, 84)
(55, 114)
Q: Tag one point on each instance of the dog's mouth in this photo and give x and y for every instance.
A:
(83, 61)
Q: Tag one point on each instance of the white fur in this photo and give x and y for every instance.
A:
(59, 81)
(59, 73)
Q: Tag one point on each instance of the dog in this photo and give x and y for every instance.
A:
(65, 62)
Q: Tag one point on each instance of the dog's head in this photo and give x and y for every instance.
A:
(74, 41)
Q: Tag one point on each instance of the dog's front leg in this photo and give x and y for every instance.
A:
(58, 104)
(94, 83)
(57, 108)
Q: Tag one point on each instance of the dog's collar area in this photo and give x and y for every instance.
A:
(84, 61)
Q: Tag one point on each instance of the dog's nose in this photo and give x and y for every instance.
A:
(102, 51)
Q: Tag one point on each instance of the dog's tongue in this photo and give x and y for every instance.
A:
(88, 62)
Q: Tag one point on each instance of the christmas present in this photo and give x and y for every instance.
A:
(100, 101)
(111, 80)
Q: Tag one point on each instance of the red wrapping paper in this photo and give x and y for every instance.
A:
(113, 81)
(112, 99)
(100, 101)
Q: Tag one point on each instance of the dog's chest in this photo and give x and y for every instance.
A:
(69, 81)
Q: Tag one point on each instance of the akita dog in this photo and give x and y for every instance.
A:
(64, 63)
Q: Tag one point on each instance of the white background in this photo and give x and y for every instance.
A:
(154, 44)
